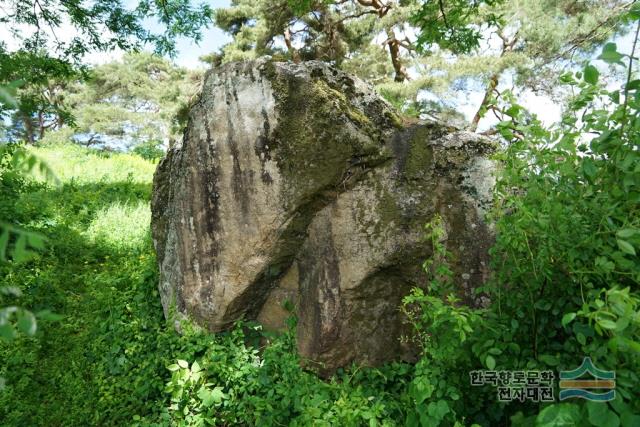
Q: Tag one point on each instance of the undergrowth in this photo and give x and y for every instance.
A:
(105, 359)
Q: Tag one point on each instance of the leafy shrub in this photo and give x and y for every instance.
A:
(149, 150)
(237, 384)
(565, 260)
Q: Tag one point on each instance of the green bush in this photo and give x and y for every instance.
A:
(238, 384)
(565, 261)
(149, 150)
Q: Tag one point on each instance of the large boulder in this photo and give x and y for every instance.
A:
(297, 182)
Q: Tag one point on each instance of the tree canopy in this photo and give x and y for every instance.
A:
(71, 29)
(50, 38)
(408, 46)
(140, 98)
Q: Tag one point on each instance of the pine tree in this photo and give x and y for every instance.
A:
(405, 47)
(141, 97)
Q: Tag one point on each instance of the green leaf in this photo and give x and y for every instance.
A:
(610, 54)
(619, 406)
(591, 74)
(589, 167)
(26, 322)
(607, 324)
(519, 420)
(209, 397)
(20, 252)
(600, 416)
(562, 414)
(625, 233)
(626, 247)
(4, 241)
(438, 410)
(7, 333)
(633, 85)
(513, 111)
(581, 338)
(549, 359)
(48, 315)
(490, 362)
(605, 264)
(566, 78)
(568, 318)
(35, 240)
(443, 408)
(622, 323)
(629, 419)
(183, 364)
(288, 306)
(205, 396)
(615, 96)
(421, 389)
(218, 395)
(173, 367)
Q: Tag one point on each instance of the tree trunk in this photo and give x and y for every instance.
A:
(493, 84)
(41, 125)
(29, 132)
(392, 42)
(295, 55)
(507, 46)
(394, 51)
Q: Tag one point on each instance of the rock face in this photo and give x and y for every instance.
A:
(296, 182)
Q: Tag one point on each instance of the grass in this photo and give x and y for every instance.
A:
(78, 164)
(105, 361)
(121, 226)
